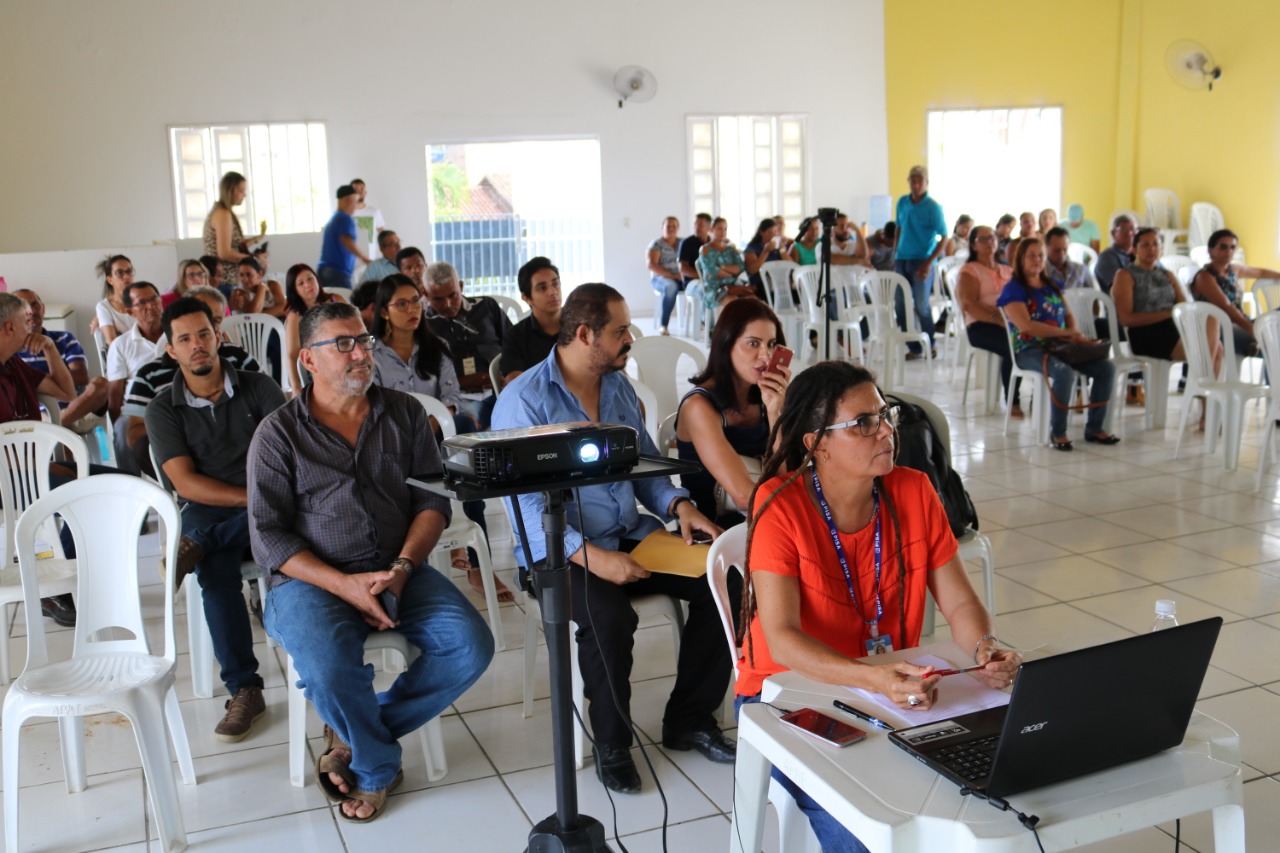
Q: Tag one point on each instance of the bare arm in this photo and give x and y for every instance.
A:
(194, 486)
(351, 247)
(968, 289)
(1210, 291)
(700, 423)
(58, 384)
(292, 346)
(115, 397)
(277, 297)
(1021, 318)
(969, 620)
(658, 269)
(222, 237)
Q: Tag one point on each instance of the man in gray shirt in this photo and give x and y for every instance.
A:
(332, 517)
(200, 428)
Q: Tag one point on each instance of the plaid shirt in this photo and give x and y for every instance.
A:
(309, 490)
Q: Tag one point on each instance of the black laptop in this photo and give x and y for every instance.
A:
(1074, 713)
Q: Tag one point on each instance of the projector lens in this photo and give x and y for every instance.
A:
(589, 452)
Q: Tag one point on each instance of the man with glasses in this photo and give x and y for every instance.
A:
(128, 353)
(389, 246)
(346, 540)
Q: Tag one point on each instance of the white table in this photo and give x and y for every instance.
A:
(894, 803)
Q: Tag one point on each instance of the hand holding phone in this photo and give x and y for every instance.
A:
(390, 603)
(781, 358)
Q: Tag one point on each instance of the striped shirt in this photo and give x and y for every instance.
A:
(155, 376)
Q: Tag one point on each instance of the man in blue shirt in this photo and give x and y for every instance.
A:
(389, 246)
(581, 380)
(338, 248)
(922, 233)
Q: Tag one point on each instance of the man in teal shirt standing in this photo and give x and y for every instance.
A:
(922, 233)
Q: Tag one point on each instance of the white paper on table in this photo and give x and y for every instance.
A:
(957, 694)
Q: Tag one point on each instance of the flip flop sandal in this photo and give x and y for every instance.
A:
(328, 763)
(377, 799)
(504, 595)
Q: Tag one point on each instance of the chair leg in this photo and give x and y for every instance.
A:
(9, 733)
(149, 731)
(1231, 428)
(262, 598)
(200, 642)
(432, 739)
(71, 733)
(1265, 451)
(490, 588)
(178, 736)
(5, 675)
(297, 727)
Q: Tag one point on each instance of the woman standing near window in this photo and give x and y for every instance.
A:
(223, 238)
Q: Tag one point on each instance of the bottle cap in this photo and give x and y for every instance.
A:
(1166, 607)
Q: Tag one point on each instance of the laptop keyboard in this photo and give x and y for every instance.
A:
(971, 761)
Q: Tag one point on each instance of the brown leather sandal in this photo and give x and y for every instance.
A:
(377, 799)
(328, 763)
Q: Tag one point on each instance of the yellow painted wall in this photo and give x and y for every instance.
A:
(1122, 131)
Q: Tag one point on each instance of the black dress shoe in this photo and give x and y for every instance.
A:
(616, 770)
(61, 609)
(710, 742)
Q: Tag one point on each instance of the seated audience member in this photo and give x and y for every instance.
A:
(154, 378)
(1027, 225)
(691, 247)
(884, 246)
(663, 259)
(214, 268)
(720, 265)
(389, 246)
(413, 263)
(1145, 294)
(254, 295)
(830, 490)
(20, 383)
(474, 329)
(1084, 231)
(339, 248)
(1217, 283)
(334, 521)
(204, 454)
(128, 353)
(582, 381)
(532, 339)
(1048, 221)
(362, 297)
(302, 291)
(804, 250)
(959, 238)
(1004, 230)
(111, 314)
(191, 273)
(978, 286)
(727, 415)
(765, 246)
(1118, 255)
(784, 242)
(408, 356)
(1037, 312)
(91, 394)
(847, 245)
(1064, 272)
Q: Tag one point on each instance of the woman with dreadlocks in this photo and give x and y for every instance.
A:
(841, 549)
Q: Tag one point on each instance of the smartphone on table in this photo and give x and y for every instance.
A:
(827, 729)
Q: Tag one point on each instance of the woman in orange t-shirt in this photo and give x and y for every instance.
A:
(818, 597)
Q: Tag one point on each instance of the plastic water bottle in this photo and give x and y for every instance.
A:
(104, 446)
(1166, 615)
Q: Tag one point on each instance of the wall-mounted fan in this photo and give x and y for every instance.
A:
(634, 83)
(1191, 66)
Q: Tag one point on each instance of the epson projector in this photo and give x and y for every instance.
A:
(541, 453)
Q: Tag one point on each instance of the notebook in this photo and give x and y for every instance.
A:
(1074, 713)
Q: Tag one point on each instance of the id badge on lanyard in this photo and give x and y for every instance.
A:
(877, 644)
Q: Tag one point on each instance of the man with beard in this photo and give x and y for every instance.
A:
(345, 537)
(581, 380)
(200, 429)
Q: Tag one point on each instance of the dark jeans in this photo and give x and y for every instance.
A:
(670, 290)
(994, 339)
(832, 834)
(332, 278)
(223, 533)
(920, 293)
(607, 636)
(1062, 378)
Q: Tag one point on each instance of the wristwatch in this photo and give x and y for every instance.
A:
(404, 564)
(675, 504)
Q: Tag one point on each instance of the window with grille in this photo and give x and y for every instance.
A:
(286, 164)
(990, 162)
(747, 168)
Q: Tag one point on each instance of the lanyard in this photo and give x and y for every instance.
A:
(844, 563)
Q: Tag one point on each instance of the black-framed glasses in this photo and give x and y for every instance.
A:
(405, 304)
(869, 425)
(346, 343)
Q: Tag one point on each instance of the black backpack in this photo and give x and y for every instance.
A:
(920, 448)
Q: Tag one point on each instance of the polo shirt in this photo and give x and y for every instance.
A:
(216, 436)
(1085, 232)
(128, 353)
(920, 227)
(525, 345)
(18, 384)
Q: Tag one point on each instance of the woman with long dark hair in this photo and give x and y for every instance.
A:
(817, 597)
(302, 290)
(764, 246)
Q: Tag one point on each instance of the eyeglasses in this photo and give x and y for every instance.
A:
(120, 272)
(150, 301)
(346, 343)
(869, 425)
(405, 304)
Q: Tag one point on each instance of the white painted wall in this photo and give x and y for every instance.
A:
(89, 89)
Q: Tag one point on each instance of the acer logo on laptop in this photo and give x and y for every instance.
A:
(1033, 728)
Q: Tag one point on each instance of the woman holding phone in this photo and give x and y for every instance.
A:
(723, 423)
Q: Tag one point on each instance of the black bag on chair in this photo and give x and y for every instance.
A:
(920, 448)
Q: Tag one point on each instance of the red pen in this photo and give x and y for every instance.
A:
(956, 671)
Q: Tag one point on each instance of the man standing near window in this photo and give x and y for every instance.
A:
(339, 249)
(922, 234)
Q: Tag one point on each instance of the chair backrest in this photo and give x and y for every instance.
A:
(1205, 219)
(51, 406)
(515, 311)
(667, 434)
(937, 420)
(880, 287)
(777, 276)
(252, 332)
(28, 448)
(1184, 270)
(728, 552)
(1163, 208)
(1192, 320)
(1199, 254)
(1009, 332)
(100, 349)
(1082, 302)
(1266, 292)
(1266, 330)
(495, 374)
(1138, 219)
(437, 410)
(1082, 254)
(636, 331)
(947, 268)
(807, 281)
(656, 361)
(103, 514)
(649, 403)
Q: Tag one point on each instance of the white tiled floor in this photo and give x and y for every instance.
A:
(1084, 544)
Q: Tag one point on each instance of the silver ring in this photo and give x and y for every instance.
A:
(912, 700)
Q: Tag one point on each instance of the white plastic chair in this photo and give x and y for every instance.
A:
(656, 361)
(1164, 211)
(880, 288)
(1082, 254)
(1034, 381)
(679, 313)
(1205, 219)
(516, 310)
(667, 435)
(430, 736)
(1183, 269)
(1266, 295)
(649, 403)
(778, 277)
(28, 448)
(1225, 395)
(102, 675)
(698, 317)
(729, 552)
(1267, 332)
(495, 374)
(1082, 301)
(814, 322)
(252, 333)
(462, 532)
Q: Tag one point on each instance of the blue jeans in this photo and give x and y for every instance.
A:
(479, 411)
(670, 289)
(1062, 377)
(332, 278)
(325, 636)
(832, 834)
(223, 533)
(920, 293)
